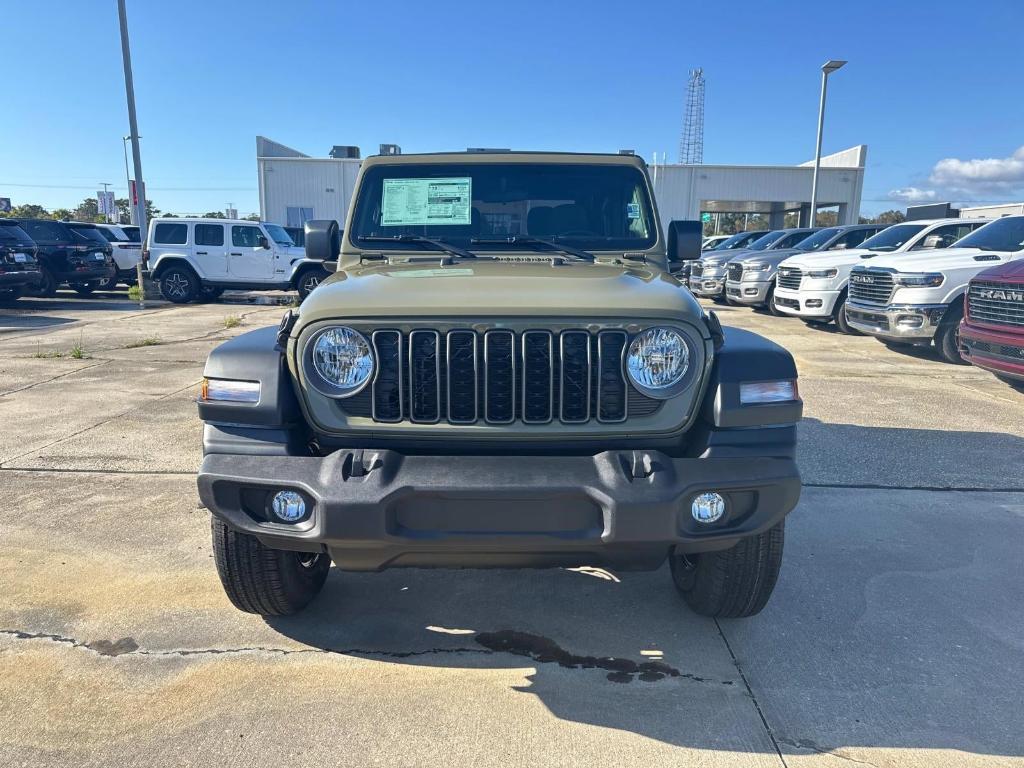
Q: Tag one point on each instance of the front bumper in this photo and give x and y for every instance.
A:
(803, 303)
(377, 509)
(87, 273)
(995, 351)
(905, 322)
(748, 292)
(708, 287)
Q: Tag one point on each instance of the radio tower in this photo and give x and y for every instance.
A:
(691, 143)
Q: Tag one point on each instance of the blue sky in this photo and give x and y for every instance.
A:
(932, 88)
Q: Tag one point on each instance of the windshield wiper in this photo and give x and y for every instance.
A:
(440, 245)
(579, 253)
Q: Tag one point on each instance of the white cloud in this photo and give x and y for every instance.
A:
(981, 175)
(911, 194)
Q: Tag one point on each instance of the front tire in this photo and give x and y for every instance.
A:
(179, 285)
(947, 339)
(309, 279)
(839, 315)
(734, 582)
(47, 287)
(258, 579)
(770, 301)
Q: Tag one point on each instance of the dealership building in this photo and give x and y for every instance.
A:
(295, 187)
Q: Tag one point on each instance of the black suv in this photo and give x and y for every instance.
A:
(18, 266)
(76, 254)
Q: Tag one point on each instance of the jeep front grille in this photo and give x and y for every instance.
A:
(996, 303)
(735, 272)
(871, 286)
(499, 376)
(790, 277)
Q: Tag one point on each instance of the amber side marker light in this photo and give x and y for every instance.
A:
(763, 392)
(229, 391)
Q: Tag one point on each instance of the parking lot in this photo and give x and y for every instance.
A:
(894, 636)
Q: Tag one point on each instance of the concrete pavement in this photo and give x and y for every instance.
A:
(893, 638)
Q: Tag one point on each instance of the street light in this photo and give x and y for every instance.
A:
(827, 69)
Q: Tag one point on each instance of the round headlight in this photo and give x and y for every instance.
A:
(342, 358)
(657, 361)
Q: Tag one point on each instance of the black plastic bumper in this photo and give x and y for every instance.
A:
(377, 509)
(19, 279)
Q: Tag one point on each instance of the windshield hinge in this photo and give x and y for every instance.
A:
(635, 257)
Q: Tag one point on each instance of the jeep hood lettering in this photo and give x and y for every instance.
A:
(495, 288)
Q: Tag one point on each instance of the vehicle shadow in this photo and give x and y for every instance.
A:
(893, 617)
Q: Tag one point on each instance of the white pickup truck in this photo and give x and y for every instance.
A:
(919, 298)
(813, 286)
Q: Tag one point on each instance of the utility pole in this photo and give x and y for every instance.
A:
(133, 129)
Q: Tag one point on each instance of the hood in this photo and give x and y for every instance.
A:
(718, 258)
(824, 259)
(934, 260)
(1010, 272)
(769, 257)
(489, 288)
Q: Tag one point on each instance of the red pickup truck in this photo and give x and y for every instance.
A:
(992, 331)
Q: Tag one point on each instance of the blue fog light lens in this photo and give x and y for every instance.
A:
(289, 506)
(708, 508)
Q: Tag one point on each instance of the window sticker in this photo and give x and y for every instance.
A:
(632, 210)
(426, 201)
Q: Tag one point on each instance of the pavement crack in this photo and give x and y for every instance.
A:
(53, 378)
(746, 683)
(620, 670)
(821, 750)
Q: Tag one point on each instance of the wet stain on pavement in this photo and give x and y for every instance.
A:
(113, 647)
(545, 650)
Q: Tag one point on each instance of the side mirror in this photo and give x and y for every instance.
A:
(264, 243)
(684, 239)
(323, 241)
(934, 241)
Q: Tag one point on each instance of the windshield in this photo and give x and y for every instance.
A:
(591, 207)
(1001, 235)
(12, 233)
(89, 233)
(892, 238)
(818, 240)
(279, 235)
(738, 240)
(765, 242)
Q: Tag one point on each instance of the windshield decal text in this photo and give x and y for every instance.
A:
(426, 201)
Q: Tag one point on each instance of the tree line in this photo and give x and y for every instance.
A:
(730, 223)
(88, 210)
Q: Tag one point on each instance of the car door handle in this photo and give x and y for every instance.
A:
(236, 253)
(202, 253)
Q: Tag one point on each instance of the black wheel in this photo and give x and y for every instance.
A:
(770, 301)
(10, 295)
(85, 289)
(47, 286)
(309, 279)
(270, 582)
(947, 339)
(839, 315)
(179, 284)
(734, 582)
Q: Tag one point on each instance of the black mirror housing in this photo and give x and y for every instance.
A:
(684, 239)
(323, 240)
(264, 243)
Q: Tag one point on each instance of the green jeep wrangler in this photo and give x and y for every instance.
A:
(500, 372)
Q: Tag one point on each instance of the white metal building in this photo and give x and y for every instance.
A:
(295, 187)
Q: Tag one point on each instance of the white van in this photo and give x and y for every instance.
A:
(195, 257)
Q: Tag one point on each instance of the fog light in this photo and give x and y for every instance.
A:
(909, 321)
(813, 303)
(289, 506)
(750, 291)
(708, 508)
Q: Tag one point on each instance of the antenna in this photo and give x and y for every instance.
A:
(691, 142)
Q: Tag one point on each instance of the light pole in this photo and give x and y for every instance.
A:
(133, 129)
(827, 69)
